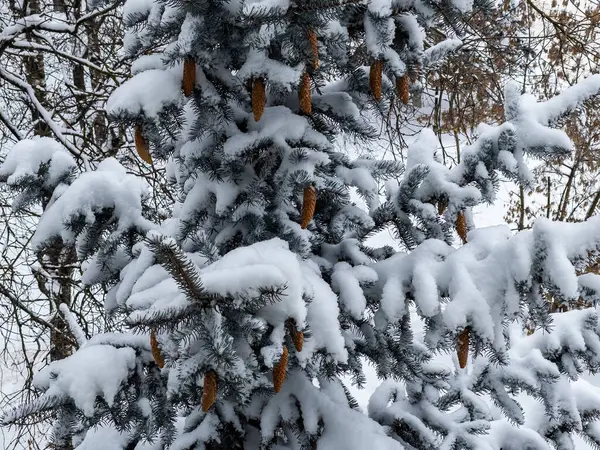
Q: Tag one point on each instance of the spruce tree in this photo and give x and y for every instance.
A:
(250, 304)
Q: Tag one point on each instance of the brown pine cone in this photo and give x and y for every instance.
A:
(308, 206)
(141, 145)
(375, 78)
(402, 88)
(209, 393)
(158, 359)
(462, 348)
(461, 226)
(304, 94)
(298, 338)
(189, 76)
(280, 370)
(314, 45)
(259, 98)
(442, 205)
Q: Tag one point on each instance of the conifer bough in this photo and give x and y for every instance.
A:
(189, 76)
(158, 359)
(308, 206)
(375, 78)
(259, 98)
(280, 370)
(209, 394)
(141, 145)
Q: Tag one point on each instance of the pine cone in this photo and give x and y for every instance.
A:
(259, 98)
(375, 76)
(298, 338)
(442, 205)
(280, 369)
(297, 335)
(209, 394)
(158, 359)
(308, 206)
(189, 76)
(462, 348)
(402, 88)
(314, 45)
(461, 226)
(141, 145)
(304, 94)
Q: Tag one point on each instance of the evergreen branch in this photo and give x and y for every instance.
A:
(183, 270)
(39, 405)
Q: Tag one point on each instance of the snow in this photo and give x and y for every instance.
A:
(92, 371)
(322, 316)
(137, 7)
(28, 155)
(258, 64)
(561, 243)
(337, 434)
(416, 33)
(73, 325)
(569, 333)
(267, 263)
(147, 62)
(351, 295)
(20, 25)
(205, 431)
(259, 6)
(189, 29)
(131, 274)
(436, 52)
(280, 125)
(463, 5)
(101, 438)
(109, 186)
(550, 110)
(147, 93)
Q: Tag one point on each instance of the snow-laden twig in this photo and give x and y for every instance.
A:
(28, 89)
(7, 123)
(73, 325)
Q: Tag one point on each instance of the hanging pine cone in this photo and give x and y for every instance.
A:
(158, 359)
(461, 226)
(304, 94)
(314, 46)
(298, 338)
(189, 76)
(296, 335)
(402, 88)
(259, 98)
(308, 206)
(209, 394)
(280, 370)
(442, 205)
(141, 145)
(375, 78)
(462, 348)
